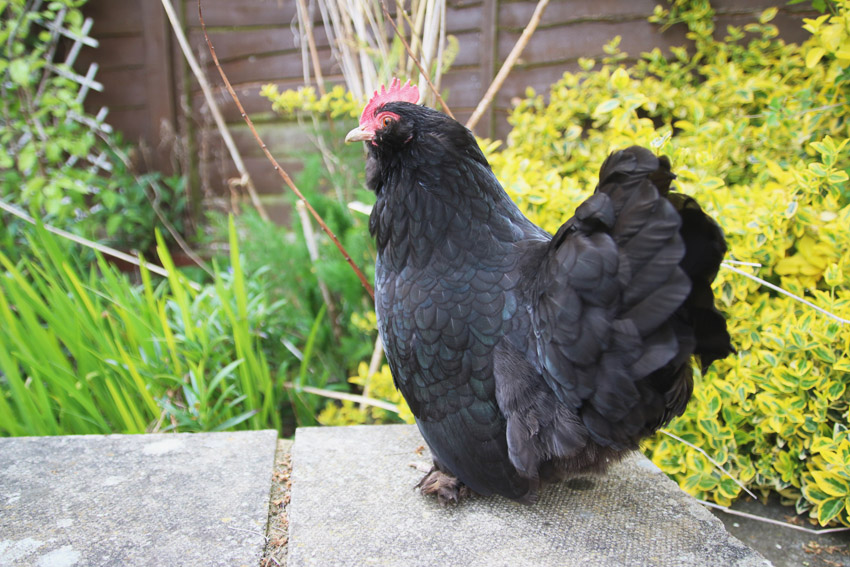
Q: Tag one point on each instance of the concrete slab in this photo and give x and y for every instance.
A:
(162, 499)
(353, 503)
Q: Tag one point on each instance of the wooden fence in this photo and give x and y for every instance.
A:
(153, 98)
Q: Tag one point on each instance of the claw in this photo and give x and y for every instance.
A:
(448, 489)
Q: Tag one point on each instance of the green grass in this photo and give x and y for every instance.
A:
(85, 351)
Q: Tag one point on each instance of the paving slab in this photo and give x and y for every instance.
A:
(785, 546)
(354, 503)
(159, 499)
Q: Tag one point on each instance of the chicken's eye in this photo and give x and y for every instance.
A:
(386, 121)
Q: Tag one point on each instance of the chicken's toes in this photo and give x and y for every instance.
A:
(448, 489)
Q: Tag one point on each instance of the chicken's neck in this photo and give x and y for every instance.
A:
(452, 213)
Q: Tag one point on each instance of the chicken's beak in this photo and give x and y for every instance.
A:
(359, 135)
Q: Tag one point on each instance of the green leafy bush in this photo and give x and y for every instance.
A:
(43, 125)
(47, 142)
(129, 207)
(757, 131)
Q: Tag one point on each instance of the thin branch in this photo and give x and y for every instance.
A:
(343, 396)
(214, 110)
(277, 167)
(771, 520)
(707, 456)
(785, 292)
(422, 70)
(508, 65)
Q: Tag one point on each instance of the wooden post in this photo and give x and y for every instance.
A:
(159, 81)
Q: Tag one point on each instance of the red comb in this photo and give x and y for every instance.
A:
(396, 93)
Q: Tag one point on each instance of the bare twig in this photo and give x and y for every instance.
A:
(508, 65)
(277, 167)
(214, 110)
(343, 396)
(374, 363)
(311, 44)
(785, 292)
(771, 520)
(707, 456)
(422, 70)
(158, 425)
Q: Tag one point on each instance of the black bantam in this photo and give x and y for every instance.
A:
(527, 357)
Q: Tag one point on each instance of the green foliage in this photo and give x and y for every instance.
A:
(336, 103)
(84, 351)
(757, 131)
(125, 210)
(46, 138)
(319, 355)
(41, 127)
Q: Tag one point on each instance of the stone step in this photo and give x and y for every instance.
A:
(135, 500)
(353, 503)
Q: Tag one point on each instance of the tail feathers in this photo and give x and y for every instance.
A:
(628, 168)
(621, 361)
(705, 247)
(646, 230)
(626, 177)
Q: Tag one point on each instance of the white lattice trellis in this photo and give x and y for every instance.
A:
(87, 83)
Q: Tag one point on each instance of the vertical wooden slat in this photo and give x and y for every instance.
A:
(159, 81)
(489, 52)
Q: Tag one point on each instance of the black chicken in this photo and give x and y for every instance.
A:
(527, 357)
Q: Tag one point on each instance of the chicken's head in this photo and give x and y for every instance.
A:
(376, 119)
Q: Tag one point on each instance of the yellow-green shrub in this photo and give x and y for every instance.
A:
(380, 386)
(757, 131)
(336, 103)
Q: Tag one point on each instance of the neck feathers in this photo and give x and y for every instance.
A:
(454, 203)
